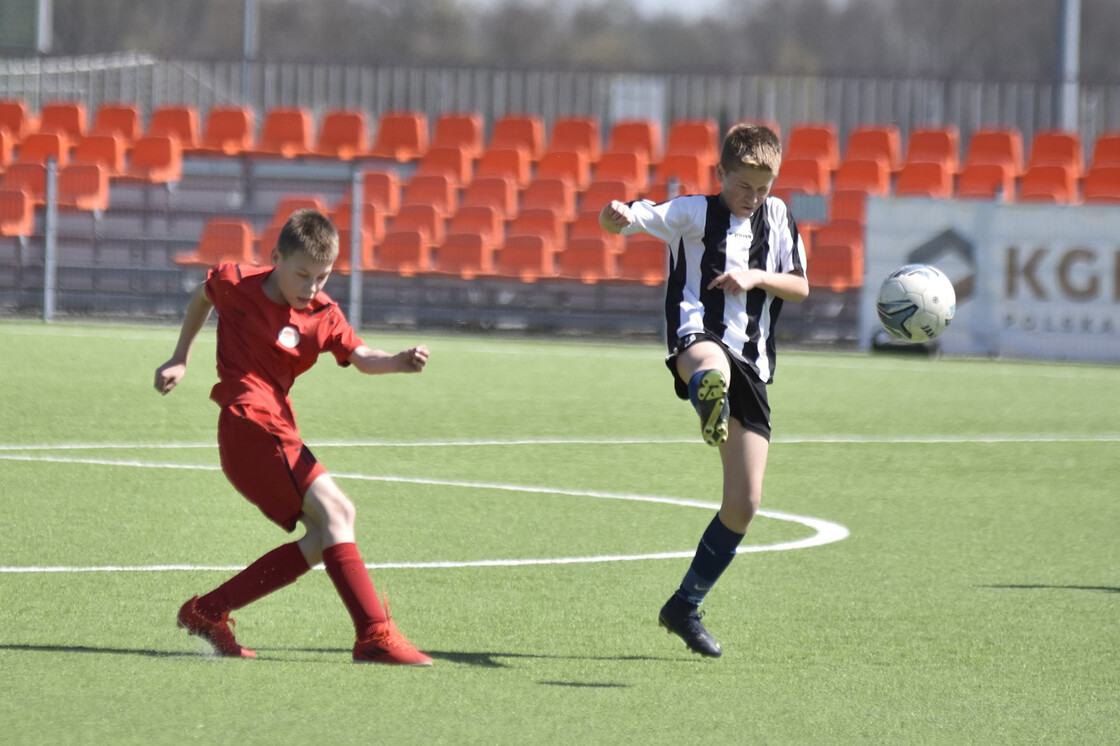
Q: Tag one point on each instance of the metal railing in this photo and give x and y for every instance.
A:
(784, 100)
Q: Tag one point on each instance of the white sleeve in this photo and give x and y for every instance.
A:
(668, 220)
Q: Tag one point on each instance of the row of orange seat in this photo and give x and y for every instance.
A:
(588, 256)
(993, 168)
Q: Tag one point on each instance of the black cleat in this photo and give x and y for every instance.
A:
(683, 619)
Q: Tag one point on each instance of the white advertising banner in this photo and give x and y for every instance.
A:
(1033, 281)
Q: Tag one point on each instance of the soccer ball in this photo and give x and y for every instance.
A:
(916, 303)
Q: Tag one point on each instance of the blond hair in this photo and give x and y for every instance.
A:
(311, 232)
(751, 145)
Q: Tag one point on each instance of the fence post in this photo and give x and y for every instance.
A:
(356, 230)
(50, 242)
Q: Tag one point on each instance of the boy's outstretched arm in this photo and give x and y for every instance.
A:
(170, 373)
(372, 362)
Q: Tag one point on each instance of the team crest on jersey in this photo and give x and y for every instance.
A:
(288, 337)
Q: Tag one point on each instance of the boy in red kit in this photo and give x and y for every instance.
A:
(273, 322)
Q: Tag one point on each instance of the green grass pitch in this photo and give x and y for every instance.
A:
(976, 599)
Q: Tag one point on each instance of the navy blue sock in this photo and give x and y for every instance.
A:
(694, 389)
(713, 555)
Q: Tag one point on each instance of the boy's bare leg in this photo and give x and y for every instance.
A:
(744, 465)
(329, 516)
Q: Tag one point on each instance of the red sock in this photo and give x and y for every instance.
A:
(271, 572)
(351, 580)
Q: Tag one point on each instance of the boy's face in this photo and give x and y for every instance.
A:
(297, 278)
(744, 189)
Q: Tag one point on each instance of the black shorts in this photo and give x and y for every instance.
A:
(746, 393)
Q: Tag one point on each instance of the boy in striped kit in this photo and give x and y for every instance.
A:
(734, 258)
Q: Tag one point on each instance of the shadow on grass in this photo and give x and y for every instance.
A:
(103, 651)
(490, 659)
(1101, 588)
(481, 660)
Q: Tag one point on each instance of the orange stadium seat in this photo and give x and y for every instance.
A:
(404, 252)
(934, 144)
(577, 133)
(467, 255)
(815, 142)
(692, 172)
(343, 134)
(996, 145)
(343, 265)
(511, 162)
(462, 130)
(924, 179)
(157, 159)
(1057, 148)
(446, 161)
(499, 192)
(228, 131)
(286, 132)
(484, 220)
(222, 240)
(848, 206)
(870, 176)
(538, 221)
(694, 137)
(83, 186)
(30, 178)
(17, 213)
(437, 190)
(875, 142)
(1048, 183)
(1101, 185)
(6, 148)
(16, 118)
(590, 260)
(1106, 150)
(600, 193)
(122, 120)
(589, 227)
(180, 122)
(557, 195)
(526, 257)
(837, 257)
(38, 147)
(519, 131)
(373, 219)
(67, 117)
(105, 150)
(421, 217)
(401, 136)
(382, 188)
(641, 136)
(629, 167)
(644, 259)
(803, 176)
(571, 165)
(993, 181)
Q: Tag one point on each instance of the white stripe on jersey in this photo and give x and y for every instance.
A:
(706, 240)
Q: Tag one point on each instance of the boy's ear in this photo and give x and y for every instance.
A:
(275, 256)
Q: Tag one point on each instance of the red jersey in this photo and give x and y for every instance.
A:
(263, 345)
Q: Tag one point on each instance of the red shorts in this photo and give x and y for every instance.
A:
(273, 470)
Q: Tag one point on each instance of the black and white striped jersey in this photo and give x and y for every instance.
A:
(705, 240)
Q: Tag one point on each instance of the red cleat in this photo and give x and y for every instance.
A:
(388, 645)
(216, 633)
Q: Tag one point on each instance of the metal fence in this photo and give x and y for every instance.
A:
(784, 100)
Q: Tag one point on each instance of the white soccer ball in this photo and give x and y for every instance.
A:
(916, 303)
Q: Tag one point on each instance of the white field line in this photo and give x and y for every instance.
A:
(825, 532)
(794, 440)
